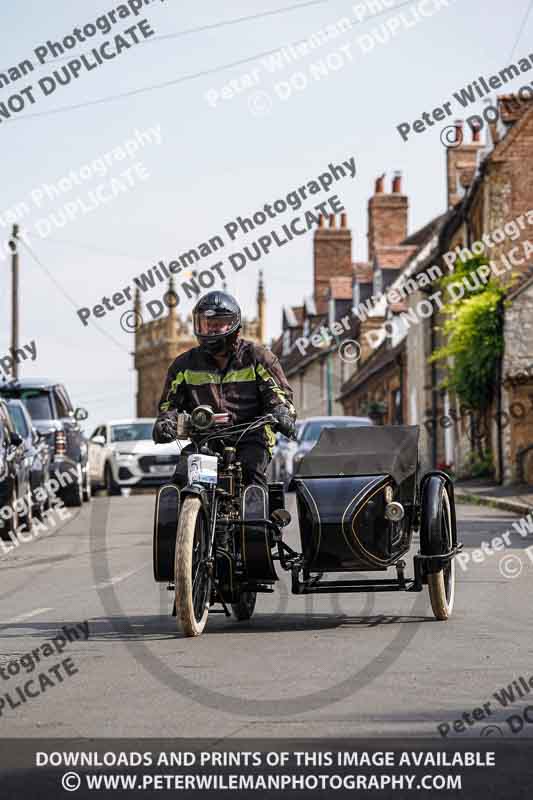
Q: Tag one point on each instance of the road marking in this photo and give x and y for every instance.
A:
(117, 579)
(29, 615)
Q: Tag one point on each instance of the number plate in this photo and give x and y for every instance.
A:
(162, 469)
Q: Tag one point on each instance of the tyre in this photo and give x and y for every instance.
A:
(112, 488)
(192, 581)
(11, 524)
(245, 607)
(441, 584)
(72, 494)
(87, 488)
(27, 518)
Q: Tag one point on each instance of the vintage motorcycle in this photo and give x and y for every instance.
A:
(217, 541)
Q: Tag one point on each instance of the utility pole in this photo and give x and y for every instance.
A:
(14, 245)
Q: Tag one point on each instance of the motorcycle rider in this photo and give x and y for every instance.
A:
(232, 375)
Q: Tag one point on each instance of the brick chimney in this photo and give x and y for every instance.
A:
(387, 215)
(461, 162)
(332, 256)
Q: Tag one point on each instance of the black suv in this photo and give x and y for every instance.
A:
(14, 476)
(54, 416)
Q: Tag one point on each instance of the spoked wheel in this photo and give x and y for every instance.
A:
(441, 584)
(245, 606)
(192, 580)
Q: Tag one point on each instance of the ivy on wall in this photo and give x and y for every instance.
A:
(473, 330)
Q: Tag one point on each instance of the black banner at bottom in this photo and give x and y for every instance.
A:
(261, 768)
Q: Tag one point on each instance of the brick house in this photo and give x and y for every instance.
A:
(487, 187)
(311, 332)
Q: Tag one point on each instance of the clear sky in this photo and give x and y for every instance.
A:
(215, 163)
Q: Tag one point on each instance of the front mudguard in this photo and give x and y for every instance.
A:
(432, 488)
(204, 495)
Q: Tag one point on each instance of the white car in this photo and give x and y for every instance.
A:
(123, 455)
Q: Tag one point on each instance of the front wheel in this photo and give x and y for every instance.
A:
(192, 580)
(245, 606)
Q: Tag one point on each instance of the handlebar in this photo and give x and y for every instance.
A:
(205, 424)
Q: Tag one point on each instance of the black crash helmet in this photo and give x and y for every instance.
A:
(217, 321)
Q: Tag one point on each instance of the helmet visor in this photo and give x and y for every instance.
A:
(212, 323)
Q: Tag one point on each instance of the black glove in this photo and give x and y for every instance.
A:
(165, 429)
(284, 421)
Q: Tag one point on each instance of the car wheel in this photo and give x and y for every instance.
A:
(87, 488)
(112, 488)
(72, 495)
(11, 524)
(27, 518)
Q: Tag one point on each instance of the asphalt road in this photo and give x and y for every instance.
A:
(352, 665)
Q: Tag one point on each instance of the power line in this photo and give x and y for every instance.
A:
(521, 30)
(70, 299)
(184, 78)
(94, 249)
(201, 28)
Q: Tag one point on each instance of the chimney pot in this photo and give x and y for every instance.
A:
(476, 133)
(344, 220)
(321, 221)
(397, 183)
(332, 223)
(379, 184)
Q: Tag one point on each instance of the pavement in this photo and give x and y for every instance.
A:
(317, 666)
(516, 498)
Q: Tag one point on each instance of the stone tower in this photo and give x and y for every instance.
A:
(160, 341)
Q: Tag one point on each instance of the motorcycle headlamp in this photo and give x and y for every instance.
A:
(202, 417)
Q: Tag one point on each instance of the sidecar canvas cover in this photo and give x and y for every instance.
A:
(342, 487)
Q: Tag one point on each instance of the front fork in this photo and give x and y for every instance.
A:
(210, 561)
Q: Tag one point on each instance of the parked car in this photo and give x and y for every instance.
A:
(311, 429)
(14, 476)
(37, 451)
(281, 465)
(123, 455)
(54, 416)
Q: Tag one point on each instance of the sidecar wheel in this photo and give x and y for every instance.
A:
(192, 581)
(441, 584)
(245, 607)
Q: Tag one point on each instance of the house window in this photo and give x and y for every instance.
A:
(286, 342)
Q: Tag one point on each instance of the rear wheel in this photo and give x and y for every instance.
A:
(192, 580)
(87, 488)
(72, 493)
(245, 606)
(10, 521)
(441, 584)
